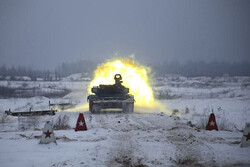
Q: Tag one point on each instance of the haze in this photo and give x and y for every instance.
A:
(43, 34)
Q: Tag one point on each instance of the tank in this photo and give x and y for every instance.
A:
(114, 96)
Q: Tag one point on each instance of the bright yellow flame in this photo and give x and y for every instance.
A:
(135, 77)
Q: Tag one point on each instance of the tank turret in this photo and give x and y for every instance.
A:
(110, 90)
(111, 96)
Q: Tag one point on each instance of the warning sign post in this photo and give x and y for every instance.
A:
(48, 134)
(81, 124)
(245, 140)
(211, 125)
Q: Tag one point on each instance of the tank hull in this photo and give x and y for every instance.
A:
(97, 103)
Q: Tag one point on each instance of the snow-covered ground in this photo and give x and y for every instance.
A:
(137, 139)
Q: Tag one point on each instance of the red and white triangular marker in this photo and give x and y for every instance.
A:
(48, 134)
(245, 141)
(81, 124)
(211, 125)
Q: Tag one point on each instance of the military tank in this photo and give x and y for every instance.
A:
(111, 97)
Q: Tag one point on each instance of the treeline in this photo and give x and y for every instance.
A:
(81, 66)
(199, 68)
(13, 71)
(189, 69)
(86, 67)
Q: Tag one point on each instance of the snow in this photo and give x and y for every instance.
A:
(99, 146)
(141, 138)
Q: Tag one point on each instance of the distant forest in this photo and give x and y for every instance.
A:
(189, 69)
(199, 68)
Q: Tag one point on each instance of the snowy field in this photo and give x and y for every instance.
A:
(139, 139)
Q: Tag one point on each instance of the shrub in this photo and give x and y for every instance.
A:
(29, 122)
(62, 122)
(222, 122)
(3, 118)
(202, 123)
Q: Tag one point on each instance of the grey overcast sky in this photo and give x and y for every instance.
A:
(43, 33)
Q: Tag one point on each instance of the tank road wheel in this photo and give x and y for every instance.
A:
(96, 108)
(128, 108)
